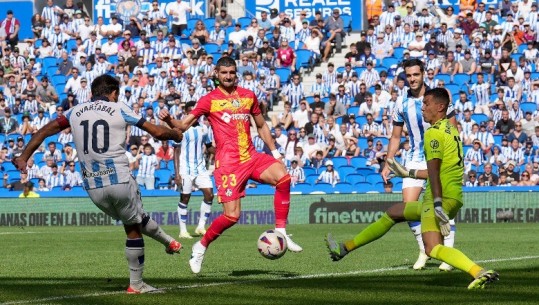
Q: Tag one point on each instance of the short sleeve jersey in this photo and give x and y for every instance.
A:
(442, 141)
(229, 117)
(99, 131)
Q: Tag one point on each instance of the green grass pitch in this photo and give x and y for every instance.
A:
(86, 265)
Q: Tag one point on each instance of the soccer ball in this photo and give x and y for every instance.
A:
(272, 244)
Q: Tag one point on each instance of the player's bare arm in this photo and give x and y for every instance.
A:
(51, 128)
(182, 125)
(177, 176)
(161, 132)
(392, 149)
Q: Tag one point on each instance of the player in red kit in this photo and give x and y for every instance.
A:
(229, 109)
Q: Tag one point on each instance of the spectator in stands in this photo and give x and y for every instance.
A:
(488, 178)
(178, 10)
(450, 66)
(53, 153)
(515, 152)
(467, 65)
(505, 125)
(331, 150)
(301, 116)
(10, 26)
(238, 36)
(334, 107)
(224, 19)
(46, 94)
(42, 186)
(329, 175)
(72, 176)
(376, 156)
(510, 172)
(296, 172)
(26, 125)
(471, 180)
(290, 144)
(19, 147)
(535, 137)
(70, 153)
(147, 164)
(497, 158)
(517, 134)
(165, 152)
(8, 124)
(17, 185)
(474, 156)
(335, 25)
(311, 147)
(54, 178)
(369, 107)
(382, 48)
(313, 41)
(370, 128)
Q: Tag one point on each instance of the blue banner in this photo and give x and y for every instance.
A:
(294, 7)
(128, 8)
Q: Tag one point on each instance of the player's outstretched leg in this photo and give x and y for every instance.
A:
(205, 210)
(459, 260)
(134, 253)
(217, 227)
(151, 228)
(449, 241)
(182, 220)
(281, 204)
(415, 227)
(369, 234)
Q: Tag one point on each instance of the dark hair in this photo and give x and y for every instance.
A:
(414, 62)
(190, 104)
(225, 62)
(104, 85)
(439, 95)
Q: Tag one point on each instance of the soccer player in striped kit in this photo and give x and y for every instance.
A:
(229, 109)
(99, 134)
(408, 111)
(190, 170)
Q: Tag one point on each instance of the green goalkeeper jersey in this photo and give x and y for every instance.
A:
(442, 141)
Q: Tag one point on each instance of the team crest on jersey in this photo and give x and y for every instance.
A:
(226, 117)
(434, 144)
(228, 192)
(236, 103)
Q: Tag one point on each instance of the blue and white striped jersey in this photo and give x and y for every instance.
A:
(99, 131)
(147, 165)
(192, 161)
(408, 111)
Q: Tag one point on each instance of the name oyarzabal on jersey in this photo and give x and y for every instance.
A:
(99, 130)
(95, 107)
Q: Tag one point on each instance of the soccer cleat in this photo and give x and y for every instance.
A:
(173, 247)
(292, 246)
(144, 288)
(486, 277)
(200, 231)
(185, 235)
(445, 267)
(421, 261)
(197, 257)
(336, 250)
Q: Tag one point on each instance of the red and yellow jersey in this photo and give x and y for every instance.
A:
(229, 116)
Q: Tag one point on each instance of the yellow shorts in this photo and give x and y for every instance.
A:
(424, 212)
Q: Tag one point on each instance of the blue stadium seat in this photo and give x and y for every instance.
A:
(304, 59)
(13, 175)
(365, 171)
(353, 110)
(38, 43)
(216, 56)
(339, 161)
(397, 187)
(531, 107)
(354, 178)
(244, 21)
(389, 61)
(454, 89)
(445, 77)
(479, 117)
(191, 24)
(8, 166)
(309, 171)
(516, 56)
(209, 22)
(343, 188)
(284, 74)
(58, 79)
(51, 70)
(347, 22)
(345, 171)
(359, 70)
(48, 62)
(363, 187)
(362, 143)
(461, 79)
(311, 178)
(162, 176)
(522, 48)
(212, 48)
(498, 139)
(358, 162)
(113, 59)
(374, 178)
(304, 188)
(398, 52)
(71, 43)
(324, 187)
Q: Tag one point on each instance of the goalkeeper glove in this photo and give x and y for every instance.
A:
(443, 219)
(400, 170)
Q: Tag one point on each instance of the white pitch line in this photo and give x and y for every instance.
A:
(214, 284)
(63, 232)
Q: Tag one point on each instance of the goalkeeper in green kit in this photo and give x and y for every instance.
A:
(442, 199)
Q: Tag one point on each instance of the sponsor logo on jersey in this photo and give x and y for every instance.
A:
(434, 144)
(228, 192)
(104, 172)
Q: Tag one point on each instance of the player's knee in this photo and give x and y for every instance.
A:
(208, 197)
(233, 215)
(283, 182)
(429, 247)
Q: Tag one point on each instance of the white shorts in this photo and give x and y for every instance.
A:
(411, 182)
(201, 181)
(120, 201)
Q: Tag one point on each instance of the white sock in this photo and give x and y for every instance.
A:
(449, 240)
(205, 210)
(182, 216)
(134, 252)
(151, 229)
(415, 227)
(281, 230)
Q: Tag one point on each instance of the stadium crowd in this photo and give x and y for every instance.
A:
(333, 133)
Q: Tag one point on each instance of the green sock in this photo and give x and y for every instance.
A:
(371, 233)
(456, 259)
